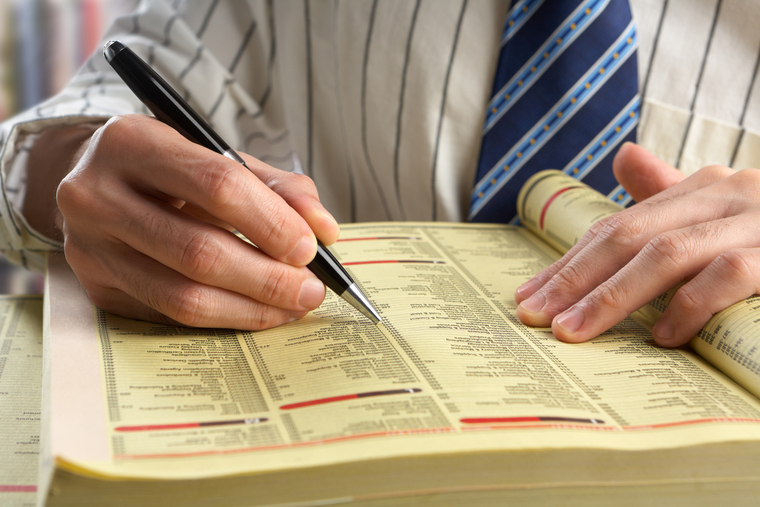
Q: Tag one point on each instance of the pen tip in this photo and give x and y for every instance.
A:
(358, 300)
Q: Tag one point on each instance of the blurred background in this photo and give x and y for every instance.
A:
(42, 44)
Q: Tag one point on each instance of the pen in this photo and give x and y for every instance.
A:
(168, 107)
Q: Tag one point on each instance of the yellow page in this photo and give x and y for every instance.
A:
(560, 209)
(20, 385)
(449, 370)
(730, 340)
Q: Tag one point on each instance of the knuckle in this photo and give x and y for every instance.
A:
(277, 234)
(65, 196)
(609, 297)
(264, 317)
(688, 299)
(285, 179)
(73, 198)
(715, 172)
(186, 305)
(66, 192)
(621, 229)
(221, 182)
(278, 287)
(673, 247)
(571, 275)
(747, 180)
(202, 254)
(737, 264)
(119, 130)
(299, 179)
(114, 128)
(305, 183)
(597, 226)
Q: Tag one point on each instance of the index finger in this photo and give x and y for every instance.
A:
(299, 191)
(170, 165)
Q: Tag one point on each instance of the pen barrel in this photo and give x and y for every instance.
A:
(160, 98)
(327, 268)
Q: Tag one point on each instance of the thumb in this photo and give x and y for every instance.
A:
(642, 174)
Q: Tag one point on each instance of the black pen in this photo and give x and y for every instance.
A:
(170, 108)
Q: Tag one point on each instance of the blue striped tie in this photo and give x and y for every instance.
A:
(565, 97)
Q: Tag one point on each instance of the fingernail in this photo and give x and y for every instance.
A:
(572, 320)
(535, 303)
(312, 293)
(529, 288)
(664, 330)
(303, 251)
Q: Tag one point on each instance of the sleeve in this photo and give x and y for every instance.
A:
(163, 37)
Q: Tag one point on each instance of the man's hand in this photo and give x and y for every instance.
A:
(703, 230)
(144, 216)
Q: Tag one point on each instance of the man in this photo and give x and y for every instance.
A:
(381, 105)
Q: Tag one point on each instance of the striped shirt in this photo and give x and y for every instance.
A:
(382, 103)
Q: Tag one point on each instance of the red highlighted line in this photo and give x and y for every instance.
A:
(492, 420)
(694, 421)
(375, 238)
(18, 488)
(182, 426)
(344, 397)
(549, 201)
(396, 261)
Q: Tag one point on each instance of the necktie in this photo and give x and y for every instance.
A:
(565, 96)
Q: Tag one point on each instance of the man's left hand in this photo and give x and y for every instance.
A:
(702, 231)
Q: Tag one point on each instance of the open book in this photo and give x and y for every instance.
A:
(451, 400)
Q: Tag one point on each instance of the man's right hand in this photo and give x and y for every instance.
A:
(146, 217)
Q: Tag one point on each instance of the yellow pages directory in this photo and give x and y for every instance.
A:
(449, 400)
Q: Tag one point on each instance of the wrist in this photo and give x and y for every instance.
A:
(54, 154)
